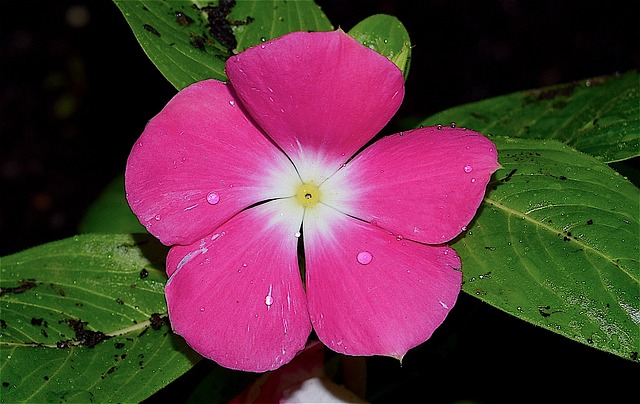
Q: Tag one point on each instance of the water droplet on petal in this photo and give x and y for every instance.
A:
(364, 257)
(453, 125)
(263, 39)
(232, 103)
(268, 300)
(439, 127)
(468, 169)
(298, 234)
(213, 198)
(202, 309)
(157, 217)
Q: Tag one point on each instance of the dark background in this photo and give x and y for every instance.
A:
(76, 88)
(76, 91)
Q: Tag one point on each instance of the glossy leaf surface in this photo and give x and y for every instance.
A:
(84, 320)
(599, 116)
(190, 41)
(386, 35)
(556, 243)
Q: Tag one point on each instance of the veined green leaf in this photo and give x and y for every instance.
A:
(176, 34)
(386, 35)
(599, 116)
(556, 243)
(83, 320)
(275, 18)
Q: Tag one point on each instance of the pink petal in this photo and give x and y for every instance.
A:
(199, 162)
(320, 95)
(425, 184)
(370, 293)
(236, 296)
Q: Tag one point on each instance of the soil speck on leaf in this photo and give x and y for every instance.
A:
(219, 25)
(84, 337)
(151, 29)
(25, 284)
(157, 321)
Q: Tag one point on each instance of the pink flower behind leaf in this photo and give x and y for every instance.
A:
(235, 175)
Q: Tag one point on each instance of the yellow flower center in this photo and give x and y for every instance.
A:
(308, 194)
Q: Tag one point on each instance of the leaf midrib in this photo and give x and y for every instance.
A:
(550, 229)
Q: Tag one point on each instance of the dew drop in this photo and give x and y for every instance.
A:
(232, 103)
(453, 124)
(157, 217)
(364, 257)
(298, 234)
(213, 198)
(468, 169)
(268, 300)
(263, 39)
(202, 309)
(439, 127)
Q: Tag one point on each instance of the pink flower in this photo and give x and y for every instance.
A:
(235, 175)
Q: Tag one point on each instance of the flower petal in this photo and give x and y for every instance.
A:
(236, 296)
(370, 293)
(320, 95)
(199, 162)
(425, 184)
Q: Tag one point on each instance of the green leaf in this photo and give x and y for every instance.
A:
(110, 213)
(82, 321)
(276, 18)
(600, 116)
(386, 35)
(556, 243)
(175, 34)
